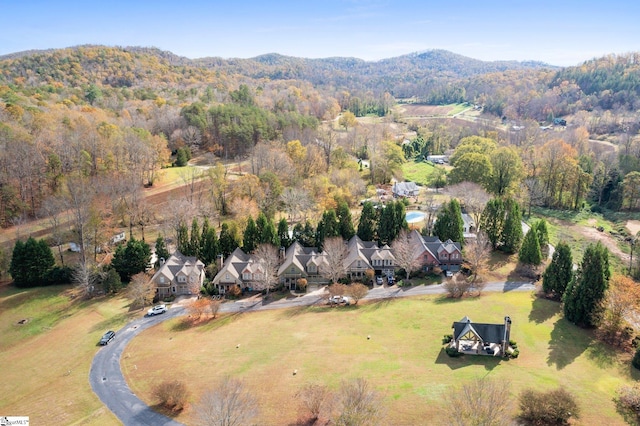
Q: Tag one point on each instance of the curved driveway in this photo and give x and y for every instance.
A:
(108, 382)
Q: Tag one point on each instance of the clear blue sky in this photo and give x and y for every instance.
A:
(560, 32)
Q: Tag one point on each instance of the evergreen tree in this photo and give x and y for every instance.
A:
(209, 245)
(228, 240)
(111, 282)
(161, 250)
(492, 221)
(309, 236)
(583, 300)
(559, 273)
(345, 222)
(283, 233)
(399, 218)
(327, 227)
(512, 229)
(250, 236)
(182, 243)
(194, 240)
(530, 251)
(367, 223)
(31, 263)
(386, 225)
(131, 259)
(449, 224)
(262, 223)
(540, 228)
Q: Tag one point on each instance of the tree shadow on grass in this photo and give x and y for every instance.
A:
(188, 323)
(445, 299)
(543, 309)
(567, 343)
(602, 355)
(489, 362)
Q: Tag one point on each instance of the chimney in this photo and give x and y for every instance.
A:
(507, 334)
(282, 253)
(219, 261)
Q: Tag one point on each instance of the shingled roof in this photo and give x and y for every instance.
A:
(490, 333)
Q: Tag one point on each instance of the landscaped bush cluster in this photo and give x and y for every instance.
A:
(171, 394)
(453, 352)
(515, 351)
(553, 407)
(447, 339)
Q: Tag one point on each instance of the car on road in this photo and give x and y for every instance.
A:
(107, 337)
(338, 300)
(156, 310)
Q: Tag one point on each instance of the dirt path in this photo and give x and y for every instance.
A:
(609, 242)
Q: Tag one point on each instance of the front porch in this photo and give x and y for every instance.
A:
(475, 347)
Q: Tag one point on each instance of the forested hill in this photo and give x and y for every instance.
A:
(401, 76)
(132, 66)
(613, 79)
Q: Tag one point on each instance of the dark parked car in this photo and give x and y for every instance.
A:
(107, 337)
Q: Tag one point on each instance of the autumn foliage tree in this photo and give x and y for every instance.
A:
(621, 298)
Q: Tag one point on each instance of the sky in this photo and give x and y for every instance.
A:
(560, 32)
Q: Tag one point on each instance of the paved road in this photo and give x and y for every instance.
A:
(107, 380)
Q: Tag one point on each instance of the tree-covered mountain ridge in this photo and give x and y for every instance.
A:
(131, 66)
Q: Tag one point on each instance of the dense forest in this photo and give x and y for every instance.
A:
(116, 115)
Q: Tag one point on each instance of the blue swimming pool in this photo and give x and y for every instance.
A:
(413, 217)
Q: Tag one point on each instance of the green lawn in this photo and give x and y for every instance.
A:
(404, 358)
(46, 360)
(417, 172)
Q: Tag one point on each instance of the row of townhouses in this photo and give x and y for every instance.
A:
(297, 262)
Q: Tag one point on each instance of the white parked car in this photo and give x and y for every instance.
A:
(337, 300)
(158, 309)
(448, 274)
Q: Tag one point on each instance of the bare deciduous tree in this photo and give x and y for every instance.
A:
(472, 196)
(477, 252)
(141, 290)
(53, 209)
(229, 403)
(84, 279)
(267, 256)
(214, 307)
(358, 404)
(315, 398)
(335, 253)
(480, 402)
(403, 251)
(357, 291)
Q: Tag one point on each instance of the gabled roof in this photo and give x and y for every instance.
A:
(492, 333)
(178, 264)
(300, 257)
(404, 187)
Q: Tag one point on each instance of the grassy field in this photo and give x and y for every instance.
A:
(46, 360)
(417, 172)
(403, 359)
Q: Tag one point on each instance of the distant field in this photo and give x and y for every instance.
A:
(422, 110)
(46, 361)
(403, 359)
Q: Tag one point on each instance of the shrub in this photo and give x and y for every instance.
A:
(234, 291)
(447, 339)
(636, 359)
(628, 400)
(636, 342)
(453, 352)
(554, 407)
(514, 353)
(171, 394)
(513, 344)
